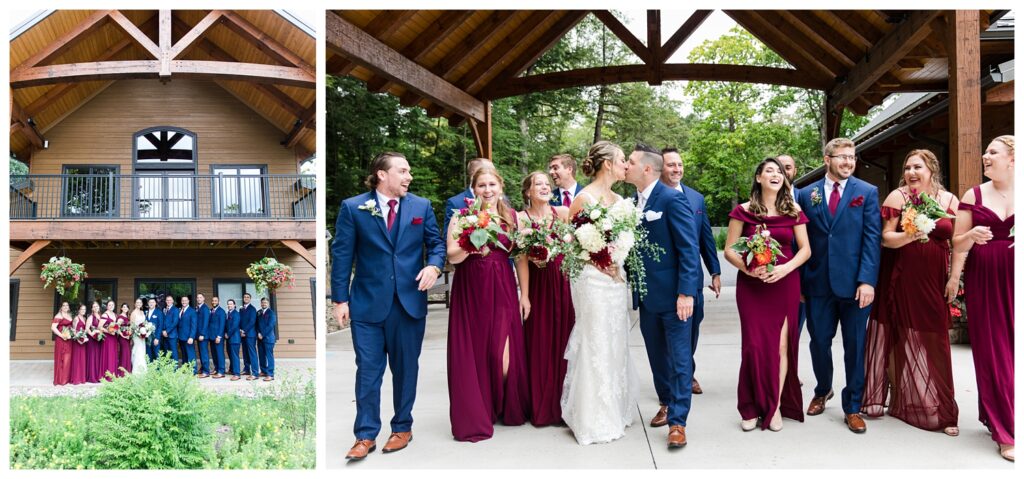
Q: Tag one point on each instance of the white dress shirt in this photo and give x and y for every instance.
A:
(383, 205)
(829, 182)
(572, 193)
(645, 194)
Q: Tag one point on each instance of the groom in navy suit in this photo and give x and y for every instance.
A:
(383, 233)
(672, 283)
(839, 280)
(562, 168)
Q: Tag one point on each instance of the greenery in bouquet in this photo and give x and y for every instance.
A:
(143, 330)
(760, 249)
(475, 229)
(542, 243)
(268, 274)
(921, 214)
(80, 336)
(66, 333)
(65, 276)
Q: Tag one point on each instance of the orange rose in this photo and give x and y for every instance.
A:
(484, 219)
(762, 259)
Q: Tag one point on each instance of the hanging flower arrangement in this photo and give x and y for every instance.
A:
(268, 274)
(65, 276)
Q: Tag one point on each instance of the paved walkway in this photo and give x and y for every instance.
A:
(715, 439)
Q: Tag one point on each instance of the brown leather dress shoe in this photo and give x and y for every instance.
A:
(203, 376)
(855, 423)
(660, 419)
(235, 378)
(817, 405)
(676, 436)
(361, 448)
(696, 387)
(397, 441)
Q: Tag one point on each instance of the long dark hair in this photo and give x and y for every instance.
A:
(784, 203)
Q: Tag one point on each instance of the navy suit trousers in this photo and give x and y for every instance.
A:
(217, 355)
(261, 350)
(697, 318)
(252, 359)
(267, 358)
(396, 341)
(233, 356)
(170, 345)
(190, 354)
(204, 356)
(668, 349)
(826, 314)
(152, 351)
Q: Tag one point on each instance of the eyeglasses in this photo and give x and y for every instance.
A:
(844, 157)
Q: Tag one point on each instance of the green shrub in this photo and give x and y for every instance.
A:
(720, 238)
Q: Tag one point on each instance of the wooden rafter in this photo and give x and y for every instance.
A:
(883, 56)
(120, 70)
(67, 40)
(190, 39)
(654, 46)
(300, 250)
(683, 33)
(484, 69)
(623, 33)
(133, 31)
(304, 122)
(20, 121)
(265, 43)
(480, 36)
(346, 39)
(426, 41)
(780, 43)
(811, 49)
(537, 48)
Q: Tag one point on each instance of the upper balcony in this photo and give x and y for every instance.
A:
(163, 205)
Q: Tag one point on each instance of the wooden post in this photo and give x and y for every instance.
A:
(482, 132)
(831, 120)
(964, 48)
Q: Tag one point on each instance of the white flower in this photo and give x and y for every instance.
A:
(53, 259)
(766, 233)
(618, 254)
(472, 219)
(567, 238)
(590, 238)
(625, 241)
(595, 214)
(370, 204)
(924, 224)
(606, 224)
(526, 232)
(622, 210)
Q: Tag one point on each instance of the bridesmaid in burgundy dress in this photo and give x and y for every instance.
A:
(983, 227)
(60, 327)
(907, 347)
(486, 364)
(108, 348)
(124, 345)
(546, 307)
(93, 347)
(769, 302)
(79, 323)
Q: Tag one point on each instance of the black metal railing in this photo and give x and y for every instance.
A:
(163, 196)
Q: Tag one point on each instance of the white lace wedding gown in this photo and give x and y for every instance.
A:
(598, 396)
(139, 360)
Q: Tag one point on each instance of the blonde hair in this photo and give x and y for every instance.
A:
(837, 143)
(930, 162)
(528, 184)
(599, 153)
(504, 211)
(1006, 140)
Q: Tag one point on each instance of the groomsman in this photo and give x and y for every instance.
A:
(216, 340)
(384, 232)
(459, 201)
(672, 283)
(233, 338)
(672, 176)
(156, 317)
(203, 335)
(261, 350)
(838, 281)
(247, 323)
(169, 328)
(187, 333)
(266, 323)
(562, 168)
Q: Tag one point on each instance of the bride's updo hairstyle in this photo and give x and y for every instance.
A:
(601, 152)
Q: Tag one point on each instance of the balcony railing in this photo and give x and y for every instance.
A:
(163, 196)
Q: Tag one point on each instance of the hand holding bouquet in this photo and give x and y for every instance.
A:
(475, 229)
(921, 214)
(125, 331)
(542, 244)
(143, 330)
(80, 336)
(65, 333)
(760, 249)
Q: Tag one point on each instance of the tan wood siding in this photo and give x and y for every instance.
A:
(36, 308)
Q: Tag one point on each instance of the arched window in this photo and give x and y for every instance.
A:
(164, 160)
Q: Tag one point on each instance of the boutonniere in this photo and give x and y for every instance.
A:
(815, 196)
(858, 201)
(371, 206)
(417, 220)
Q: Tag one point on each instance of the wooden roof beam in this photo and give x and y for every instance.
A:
(265, 43)
(537, 48)
(135, 34)
(685, 31)
(303, 123)
(627, 37)
(654, 46)
(346, 39)
(883, 56)
(120, 70)
(781, 43)
(196, 33)
(21, 121)
(66, 41)
(426, 41)
(830, 60)
(473, 42)
(497, 58)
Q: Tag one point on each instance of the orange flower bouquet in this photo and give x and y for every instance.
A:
(760, 249)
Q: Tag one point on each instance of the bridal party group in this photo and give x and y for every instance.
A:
(103, 343)
(530, 340)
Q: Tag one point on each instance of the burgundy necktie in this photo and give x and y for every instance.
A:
(833, 199)
(566, 201)
(392, 212)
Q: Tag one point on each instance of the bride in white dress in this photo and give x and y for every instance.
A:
(139, 360)
(598, 396)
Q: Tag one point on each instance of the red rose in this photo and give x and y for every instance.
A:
(602, 259)
(417, 220)
(464, 241)
(538, 253)
(858, 201)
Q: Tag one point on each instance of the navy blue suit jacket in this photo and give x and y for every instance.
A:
(845, 248)
(169, 322)
(203, 322)
(187, 324)
(156, 317)
(247, 320)
(456, 202)
(385, 268)
(217, 323)
(676, 272)
(708, 250)
(556, 195)
(265, 325)
(234, 334)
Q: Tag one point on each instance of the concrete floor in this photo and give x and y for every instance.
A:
(714, 437)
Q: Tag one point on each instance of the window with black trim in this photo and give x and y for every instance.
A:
(164, 159)
(15, 289)
(239, 190)
(159, 288)
(97, 289)
(90, 191)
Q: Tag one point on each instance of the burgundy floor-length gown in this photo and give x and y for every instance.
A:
(61, 353)
(988, 287)
(92, 353)
(546, 333)
(763, 308)
(78, 361)
(484, 313)
(124, 348)
(907, 353)
(108, 350)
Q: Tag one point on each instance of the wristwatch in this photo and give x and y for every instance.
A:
(437, 269)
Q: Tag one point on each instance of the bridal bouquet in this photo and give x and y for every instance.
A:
(143, 329)
(541, 243)
(761, 249)
(80, 335)
(607, 235)
(921, 213)
(475, 230)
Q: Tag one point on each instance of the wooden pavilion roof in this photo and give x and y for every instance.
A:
(263, 59)
(453, 62)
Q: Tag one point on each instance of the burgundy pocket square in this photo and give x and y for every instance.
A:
(858, 201)
(417, 220)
